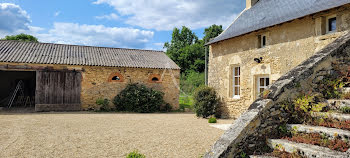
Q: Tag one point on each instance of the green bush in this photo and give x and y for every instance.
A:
(139, 98)
(212, 120)
(205, 101)
(104, 104)
(166, 108)
(135, 154)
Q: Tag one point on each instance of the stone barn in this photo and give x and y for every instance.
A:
(268, 39)
(57, 77)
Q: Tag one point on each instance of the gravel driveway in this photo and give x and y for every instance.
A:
(105, 135)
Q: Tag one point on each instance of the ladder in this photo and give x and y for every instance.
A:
(19, 89)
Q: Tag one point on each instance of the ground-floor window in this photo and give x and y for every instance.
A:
(263, 83)
(236, 82)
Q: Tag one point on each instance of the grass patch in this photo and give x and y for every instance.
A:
(212, 120)
(135, 154)
(186, 102)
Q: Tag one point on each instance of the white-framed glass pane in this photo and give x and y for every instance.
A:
(263, 83)
(236, 81)
(332, 24)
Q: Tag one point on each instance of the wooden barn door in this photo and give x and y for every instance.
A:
(58, 91)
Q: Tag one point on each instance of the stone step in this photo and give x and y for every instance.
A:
(307, 150)
(331, 132)
(338, 104)
(345, 90)
(332, 115)
(261, 156)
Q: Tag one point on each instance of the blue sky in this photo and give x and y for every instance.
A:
(141, 24)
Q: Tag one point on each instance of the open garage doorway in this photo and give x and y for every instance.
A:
(17, 89)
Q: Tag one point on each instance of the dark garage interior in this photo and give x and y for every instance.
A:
(18, 88)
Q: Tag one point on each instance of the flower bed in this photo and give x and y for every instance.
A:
(331, 123)
(284, 154)
(320, 140)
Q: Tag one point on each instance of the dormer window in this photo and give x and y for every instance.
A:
(331, 24)
(262, 41)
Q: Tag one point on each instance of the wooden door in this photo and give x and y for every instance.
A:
(58, 91)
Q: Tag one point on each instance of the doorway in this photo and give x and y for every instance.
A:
(17, 89)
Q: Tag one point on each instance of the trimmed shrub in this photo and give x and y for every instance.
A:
(212, 120)
(205, 101)
(166, 108)
(135, 154)
(139, 98)
(104, 104)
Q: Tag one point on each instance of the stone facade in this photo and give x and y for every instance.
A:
(97, 81)
(287, 45)
(249, 133)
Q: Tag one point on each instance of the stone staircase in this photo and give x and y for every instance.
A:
(314, 151)
(264, 126)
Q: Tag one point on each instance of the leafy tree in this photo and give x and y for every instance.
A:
(212, 32)
(21, 37)
(185, 49)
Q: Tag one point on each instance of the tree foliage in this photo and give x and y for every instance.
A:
(212, 32)
(22, 37)
(186, 50)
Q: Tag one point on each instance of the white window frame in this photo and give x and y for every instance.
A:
(234, 86)
(327, 24)
(262, 41)
(267, 78)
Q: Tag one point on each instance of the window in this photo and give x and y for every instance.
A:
(115, 77)
(236, 82)
(263, 83)
(154, 78)
(331, 24)
(262, 41)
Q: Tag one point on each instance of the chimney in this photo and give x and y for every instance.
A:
(251, 3)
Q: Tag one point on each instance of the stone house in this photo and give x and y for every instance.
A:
(268, 39)
(70, 77)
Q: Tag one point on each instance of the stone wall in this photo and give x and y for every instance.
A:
(288, 45)
(97, 81)
(250, 131)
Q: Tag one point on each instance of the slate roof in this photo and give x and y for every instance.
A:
(48, 53)
(267, 13)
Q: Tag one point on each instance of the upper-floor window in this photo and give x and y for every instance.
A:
(331, 24)
(236, 82)
(262, 41)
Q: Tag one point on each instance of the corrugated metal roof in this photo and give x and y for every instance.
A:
(267, 13)
(48, 53)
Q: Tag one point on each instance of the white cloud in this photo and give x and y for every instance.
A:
(13, 18)
(96, 35)
(165, 15)
(57, 13)
(111, 16)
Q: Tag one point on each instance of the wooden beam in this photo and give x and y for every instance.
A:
(41, 68)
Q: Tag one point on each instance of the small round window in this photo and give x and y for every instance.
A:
(116, 78)
(155, 79)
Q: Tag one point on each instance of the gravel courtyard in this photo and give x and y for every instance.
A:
(105, 135)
